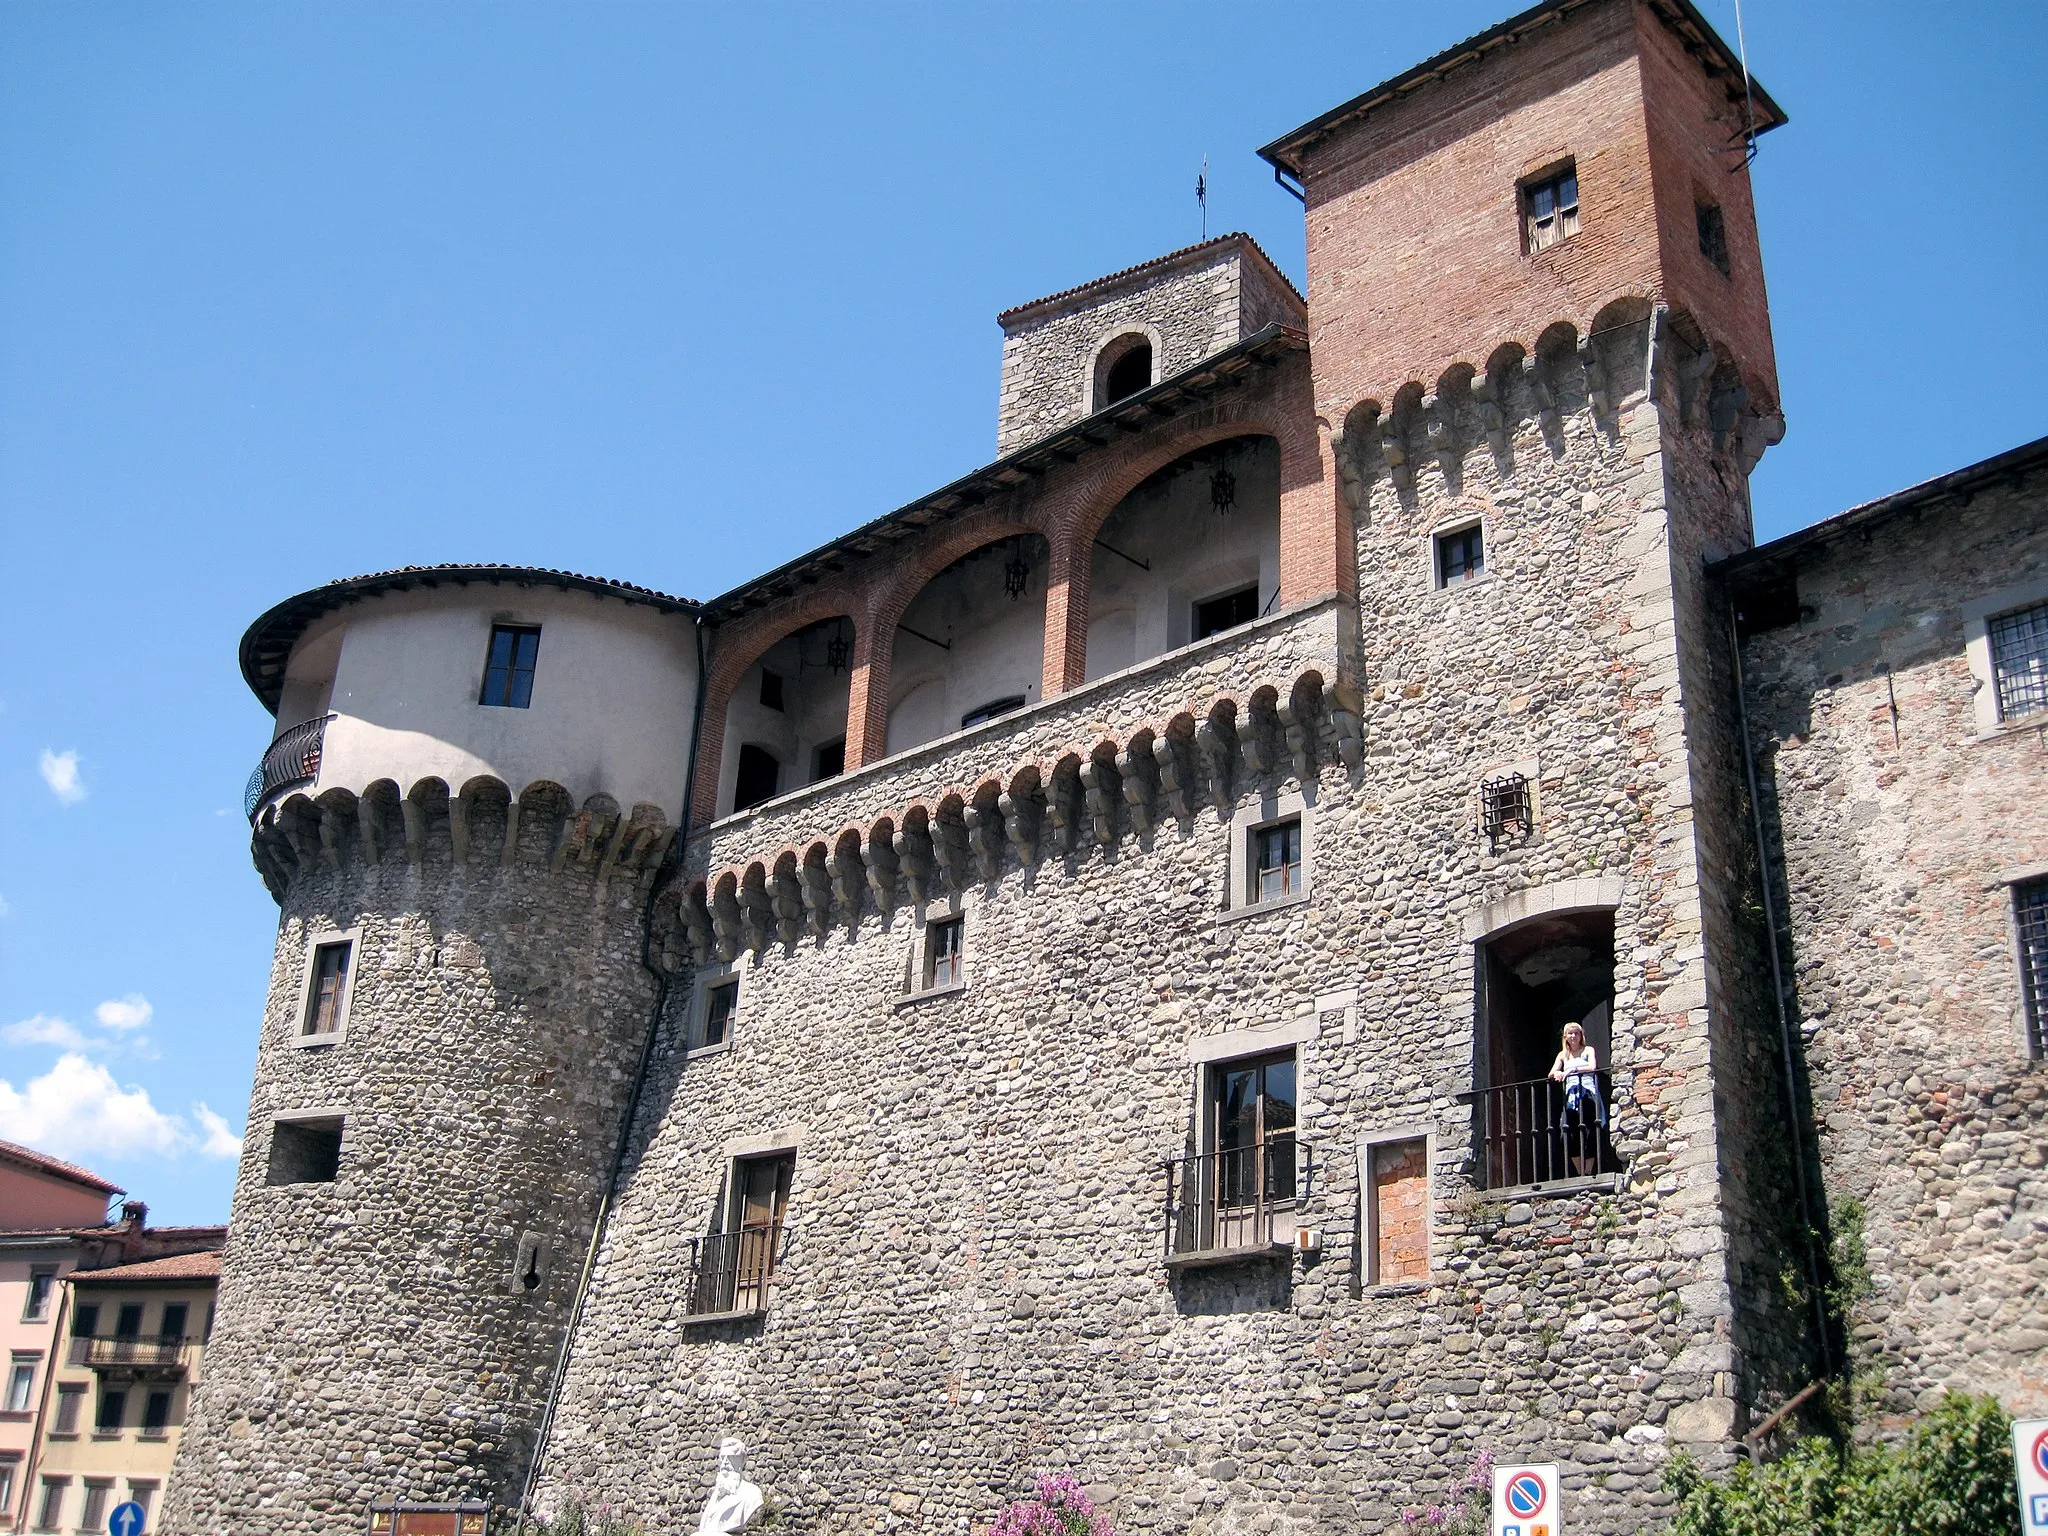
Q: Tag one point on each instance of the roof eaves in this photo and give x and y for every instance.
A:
(1112, 279)
(56, 1167)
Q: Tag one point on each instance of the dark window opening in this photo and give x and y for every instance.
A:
(1128, 374)
(2030, 909)
(1550, 208)
(771, 689)
(1772, 602)
(2019, 660)
(1224, 1199)
(829, 761)
(1228, 611)
(85, 1322)
(1460, 556)
(721, 1002)
(156, 1413)
(330, 976)
(305, 1151)
(1537, 1119)
(113, 1408)
(508, 670)
(173, 1325)
(945, 949)
(981, 714)
(1276, 861)
(128, 1321)
(1713, 235)
(758, 777)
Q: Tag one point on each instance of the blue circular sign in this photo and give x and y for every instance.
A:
(127, 1519)
(1525, 1494)
(2041, 1453)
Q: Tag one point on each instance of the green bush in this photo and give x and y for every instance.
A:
(1952, 1477)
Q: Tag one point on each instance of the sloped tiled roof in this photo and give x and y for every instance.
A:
(1235, 237)
(204, 1265)
(56, 1167)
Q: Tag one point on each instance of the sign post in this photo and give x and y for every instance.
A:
(127, 1519)
(1526, 1501)
(2030, 1466)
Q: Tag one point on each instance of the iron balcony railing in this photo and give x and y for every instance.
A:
(1237, 1202)
(293, 758)
(1541, 1132)
(152, 1355)
(730, 1271)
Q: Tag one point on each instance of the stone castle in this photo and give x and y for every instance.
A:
(1069, 975)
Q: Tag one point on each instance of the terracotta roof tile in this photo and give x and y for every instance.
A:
(42, 1162)
(204, 1265)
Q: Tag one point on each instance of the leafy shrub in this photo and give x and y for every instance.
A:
(1057, 1507)
(1467, 1512)
(579, 1520)
(1952, 1477)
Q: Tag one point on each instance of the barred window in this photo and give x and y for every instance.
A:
(2030, 908)
(2019, 660)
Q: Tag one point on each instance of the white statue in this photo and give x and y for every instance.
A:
(734, 1501)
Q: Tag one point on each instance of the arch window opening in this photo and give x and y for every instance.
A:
(1129, 373)
(786, 724)
(970, 646)
(1543, 1106)
(1173, 564)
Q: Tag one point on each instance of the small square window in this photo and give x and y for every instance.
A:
(2030, 912)
(508, 669)
(42, 1280)
(944, 951)
(1504, 809)
(70, 1404)
(1550, 208)
(330, 984)
(771, 689)
(1713, 234)
(1460, 556)
(1276, 861)
(714, 1024)
(305, 1151)
(2019, 660)
(1227, 611)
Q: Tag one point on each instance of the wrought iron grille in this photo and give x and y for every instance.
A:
(2030, 906)
(130, 1354)
(1541, 1131)
(1504, 808)
(293, 758)
(1232, 1201)
(2019, 660)
(729, 1272)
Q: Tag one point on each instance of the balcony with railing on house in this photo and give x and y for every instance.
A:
(1543, 1133)
(1237, 1203)
(138, 1357)
(292, 759)
(730, 1273)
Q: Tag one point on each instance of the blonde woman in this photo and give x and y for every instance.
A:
(1584, 1115)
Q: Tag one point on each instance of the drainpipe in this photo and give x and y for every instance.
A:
(624, 1144)
(1770, 902)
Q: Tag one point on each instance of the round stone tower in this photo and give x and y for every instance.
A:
(478, 772)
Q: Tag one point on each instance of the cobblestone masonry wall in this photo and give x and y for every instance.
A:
(973, 1287)
(372, 1340)
(1898, 831)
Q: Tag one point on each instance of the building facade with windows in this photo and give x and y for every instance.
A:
(1076, 971)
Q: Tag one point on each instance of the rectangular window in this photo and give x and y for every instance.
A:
(330, 980)
(305, 1151)
(2019, 660)
(42, 1280)
(1226, 612)
(172, 1327)
(760, 1201)
(1398, 1218)
(142, 1495)
(113, 1409)
(829, 761)
(1713, 235)
(508, 670)
(994, 709)
(771, 689)
(51, 1509)
(721, 1002)
(21, 1383)
(1251, 1129)
(128, 1321)
(1504, 808)
(1460, 556)
(945, 947)
(1276, 861)
(1550, 208)
(6, 1487)
(85, 1320)
(2030, 909)
(70, 1404)
(156, 1413)
(94, 1516)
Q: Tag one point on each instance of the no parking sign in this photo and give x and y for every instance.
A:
(1525, 1502)
(2030, 1460)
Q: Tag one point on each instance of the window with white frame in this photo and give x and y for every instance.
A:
(323, 1011)
(21, 1382)
(945, 953)
(2019, 660)
(42, 1281)
(1276, 860)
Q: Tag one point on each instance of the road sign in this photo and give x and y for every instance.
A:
(2030, 1463)
(1525, 1502)
(127, 1519)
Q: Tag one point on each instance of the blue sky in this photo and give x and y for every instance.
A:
(671, 294)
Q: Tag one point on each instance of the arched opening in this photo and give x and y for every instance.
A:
(1122, 368)
(971, 645)
(1192, 552)
(785, 726)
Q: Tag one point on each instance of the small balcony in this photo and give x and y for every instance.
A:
(1542, 1134)
(159, 1359)
(293, 758)
(1236, 1204)
(730, 1274)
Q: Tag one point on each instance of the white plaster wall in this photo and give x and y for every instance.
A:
(613, 693)
(814, 712)
(1194, 552)
(998, 645)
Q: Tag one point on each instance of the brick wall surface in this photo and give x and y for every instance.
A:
(1400, 1194)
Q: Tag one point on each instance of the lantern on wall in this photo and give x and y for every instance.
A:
(1016, 571)
(836, 650)
(1222, 490)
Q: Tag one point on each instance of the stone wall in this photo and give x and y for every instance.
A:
(1898, 825)
(373, 1338)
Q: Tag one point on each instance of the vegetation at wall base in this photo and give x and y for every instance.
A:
(1952, 1476)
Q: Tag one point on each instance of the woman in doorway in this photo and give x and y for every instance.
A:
(1584, 1116)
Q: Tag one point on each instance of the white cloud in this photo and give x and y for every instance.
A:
(45, 1029)
(60, 772)
(124, 1013)
(5, 910)
(220, 1140)
(76, 1110)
